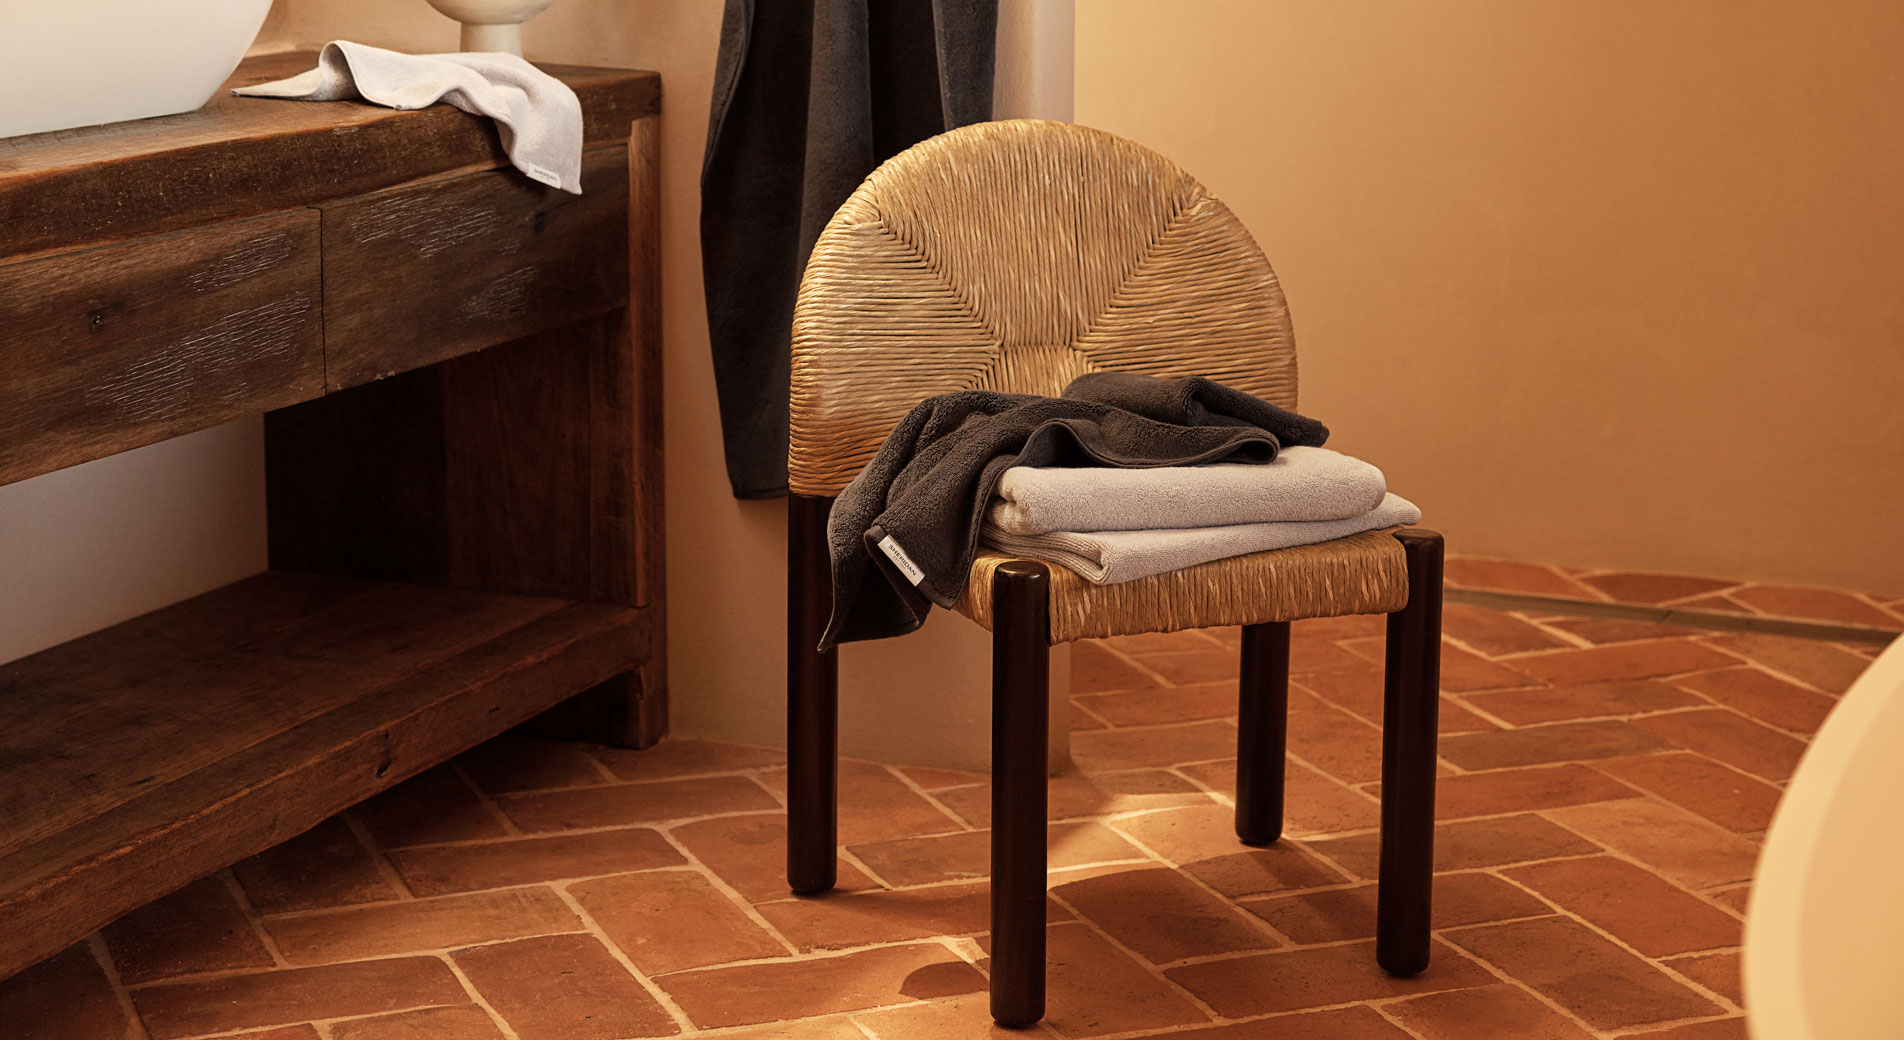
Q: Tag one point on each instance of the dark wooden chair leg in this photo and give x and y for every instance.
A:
(812, 703)
(1021, 644)
(1262, 730)
(1409, 723)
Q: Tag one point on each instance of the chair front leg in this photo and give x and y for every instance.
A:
(1410, 718)
(1262, 730)
(1021, 645)
(813, 699)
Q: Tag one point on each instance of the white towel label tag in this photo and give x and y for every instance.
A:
(901, 560)
(543, 174)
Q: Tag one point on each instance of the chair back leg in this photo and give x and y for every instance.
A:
(1262, 724)
(813, 680)
(1021, 645)
(1410, 719)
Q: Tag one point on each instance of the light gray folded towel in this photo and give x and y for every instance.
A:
(1108, 557)
(538, 116)
(1303, 483)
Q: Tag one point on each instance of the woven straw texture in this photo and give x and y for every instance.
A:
(1360, 574)
(1017, 256)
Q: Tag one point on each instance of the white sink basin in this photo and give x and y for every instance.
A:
(67, 63)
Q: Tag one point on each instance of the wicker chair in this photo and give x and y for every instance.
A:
(1016, 256)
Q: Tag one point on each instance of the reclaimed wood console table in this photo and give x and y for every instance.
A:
(459, 374)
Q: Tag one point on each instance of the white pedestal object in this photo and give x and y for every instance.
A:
(492, 25)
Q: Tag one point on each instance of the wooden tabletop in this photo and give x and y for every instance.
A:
(238, 157)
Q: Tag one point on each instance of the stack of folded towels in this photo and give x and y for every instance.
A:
(1113, 525)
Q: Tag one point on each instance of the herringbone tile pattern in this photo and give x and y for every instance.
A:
(1604, 788)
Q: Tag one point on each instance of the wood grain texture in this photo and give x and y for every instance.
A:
(429, 271)
(497, 470)
(648, 512)
(544, 489)
(160, 769)
(112, 348)
(151, 753)
(61, 708)
(519, 486)
(515, 469)
(240, 156)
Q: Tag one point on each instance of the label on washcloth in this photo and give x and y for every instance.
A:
(543, 174)
(901, 560)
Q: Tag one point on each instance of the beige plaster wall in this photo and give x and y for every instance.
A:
(1600, 283)
(93, 545)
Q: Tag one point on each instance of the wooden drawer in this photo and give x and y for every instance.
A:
(427, 272)
(108, 349)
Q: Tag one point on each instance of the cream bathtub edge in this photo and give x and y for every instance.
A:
(1825, 923)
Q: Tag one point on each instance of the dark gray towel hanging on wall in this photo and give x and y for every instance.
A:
(809, 97)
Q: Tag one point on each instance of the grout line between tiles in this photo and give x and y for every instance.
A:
(1094, 716)
(476, 997)
(919, 790)
(1760, 666)
(1654, 1028)
(733, 894)
(437, 897)
(1400, 1026)
(1567, 637)
(1187, 875)
(559, 832)
(1674, 749)
(1507, 977)
(1632, 860)
(1658, 963)
(483, 797)
(96, 945)
(1142, 962)
(216, 975)
(824, 954)
(594, 928)
(385, 869)
(322, 1025)
(741, 774)
(1222, 799)
(1135, 662)
(601, 768)
(252, 917)
(863, 867)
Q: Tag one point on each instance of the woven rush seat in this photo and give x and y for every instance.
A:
(1016, 256)
(1365, 573)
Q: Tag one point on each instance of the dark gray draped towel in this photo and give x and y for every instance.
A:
(809, 97)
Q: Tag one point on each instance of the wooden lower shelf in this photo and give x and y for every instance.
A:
(146, 755)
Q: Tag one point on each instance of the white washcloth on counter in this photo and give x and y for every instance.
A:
(538, 116)
(1108, 557)
(1302, 484)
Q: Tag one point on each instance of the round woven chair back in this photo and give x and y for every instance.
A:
(1017, 256)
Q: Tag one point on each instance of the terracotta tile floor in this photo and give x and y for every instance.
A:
(1605, 784)
(1751, 599)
